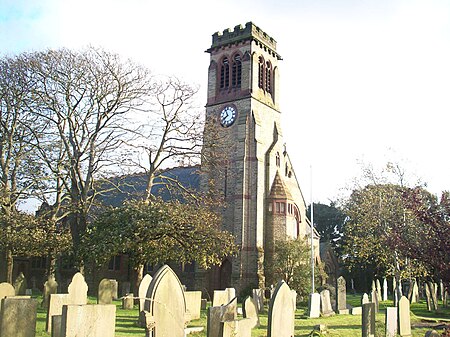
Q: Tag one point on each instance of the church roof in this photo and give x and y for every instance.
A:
(279, 188)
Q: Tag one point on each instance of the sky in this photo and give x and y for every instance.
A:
(363, 82)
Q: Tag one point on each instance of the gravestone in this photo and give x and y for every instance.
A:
(378, 290)
(50, 287)
(341, 296)
(250, 311)
(374, 299)
(143, 287)
(391, 322)
(217, 315)
(240, 328)
(404, 320)
(89, 320)
(125, 288)
(368, 320)
(55, 306)
(77, 289)
(385, 290)
(294, 299)
(204, 303)
(356, 311)
(128, 301)
(415, 293)
(193, 303)
(6, 290)
(374, 287)
(314, 305)
(441, 290)
(325, 304)
(428, 297)
(394, 291)
(165, 302)
(115, 289)
(222, 297)
(105, 291)
(258, 296)
(364, 299)
(434, 297)
(281, 314)
(18, 317)
(20, 285)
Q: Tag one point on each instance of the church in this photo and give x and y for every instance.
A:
(245, 164)
(245, 158)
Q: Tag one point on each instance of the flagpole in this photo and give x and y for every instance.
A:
(312, 234)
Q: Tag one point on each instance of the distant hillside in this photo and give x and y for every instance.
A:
(133, 186)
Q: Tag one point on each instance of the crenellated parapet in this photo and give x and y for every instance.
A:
(239, 33)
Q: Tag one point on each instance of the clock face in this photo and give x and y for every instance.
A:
(228, 116)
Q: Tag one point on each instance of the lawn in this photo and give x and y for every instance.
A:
(338, 325)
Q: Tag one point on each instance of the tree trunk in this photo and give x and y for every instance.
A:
(138, 274)
(51, 267)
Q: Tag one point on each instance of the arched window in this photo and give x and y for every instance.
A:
(261, 72)
(236, 72)
(225, 74)
(277, 159)
(268, 71)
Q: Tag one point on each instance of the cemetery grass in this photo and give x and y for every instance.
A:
(337, 326)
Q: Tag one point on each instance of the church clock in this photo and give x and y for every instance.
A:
(228, 116)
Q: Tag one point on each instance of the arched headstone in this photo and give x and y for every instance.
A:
(166, 303)
(78, 289)
(281, 312)
(143, 287)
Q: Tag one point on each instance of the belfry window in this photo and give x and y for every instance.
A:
(261, 72)
(268, 72)
(236, 73)
(277, 159)
(265, 75)
(225, 74)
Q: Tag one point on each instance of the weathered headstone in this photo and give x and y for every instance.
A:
(294, 299)
(364, 299)
(434, 297)
(90, 320)
(166, 303)
(241, 328)
(374, 299)
(341, 296)
(385, 290)
(78, 289)
(356, 310)
(314, 305)
(204, 303)
(128, 301)
(325, 303)
(250, 311)
(404, 320)
(143, 287)
(6, 290)
(20, 285)
(115, 289)
(281, 313)
(378, 290)
(428, 297)
(441, 290)
(217, 315)
(105, 291)
(258, 296)
(222, 297)
(415, 293)
(374, 287)
(55, 306)
(193, 303)
(18, 317)
(391, 322)
(125, 288)
(368, 320)
(50, 287)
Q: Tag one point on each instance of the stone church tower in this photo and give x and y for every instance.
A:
(245, 162)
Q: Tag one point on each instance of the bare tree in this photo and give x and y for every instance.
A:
(19, 170)
(85, 99)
